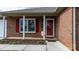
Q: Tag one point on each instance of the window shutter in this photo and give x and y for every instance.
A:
(37, 25)
(17, 24)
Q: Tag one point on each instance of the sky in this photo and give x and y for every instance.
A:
(6, 5)
(11, 8)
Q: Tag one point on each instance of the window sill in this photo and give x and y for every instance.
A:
(28, 32)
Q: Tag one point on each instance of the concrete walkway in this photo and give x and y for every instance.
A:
(56, 46)
(51, 46)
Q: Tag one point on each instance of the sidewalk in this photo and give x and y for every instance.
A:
(51, 46)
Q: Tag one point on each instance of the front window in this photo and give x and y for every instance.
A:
(29, 25)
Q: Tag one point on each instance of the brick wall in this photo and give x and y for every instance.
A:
(11, 28)
(77, 28)
(65, 27)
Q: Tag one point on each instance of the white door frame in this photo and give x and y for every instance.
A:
(52, 27)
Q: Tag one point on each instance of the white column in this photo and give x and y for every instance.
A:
(4, 27)
(74, 37)
(44, 25)
(23, 27)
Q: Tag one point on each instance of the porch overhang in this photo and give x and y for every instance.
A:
(47, 11)
(28, 14)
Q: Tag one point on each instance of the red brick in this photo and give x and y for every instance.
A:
(65, 27)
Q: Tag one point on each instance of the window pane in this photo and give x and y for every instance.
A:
(31, 25)
(21, 25)
(25, 25)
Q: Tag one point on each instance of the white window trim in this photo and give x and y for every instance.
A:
(27, 25)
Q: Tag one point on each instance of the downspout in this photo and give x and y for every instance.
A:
(73, 30)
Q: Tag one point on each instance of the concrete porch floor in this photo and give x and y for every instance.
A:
(51, 46)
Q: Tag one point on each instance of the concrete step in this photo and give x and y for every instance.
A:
(51, 39)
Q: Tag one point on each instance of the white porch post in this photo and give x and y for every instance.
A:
(44, 18)
(44, 31)
(4, 27)
(23, 27)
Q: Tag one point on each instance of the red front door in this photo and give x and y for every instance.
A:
(49, 28)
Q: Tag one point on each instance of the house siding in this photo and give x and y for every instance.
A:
(64, 29)
(11, 30)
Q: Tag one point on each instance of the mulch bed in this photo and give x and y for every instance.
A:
(13, 41)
